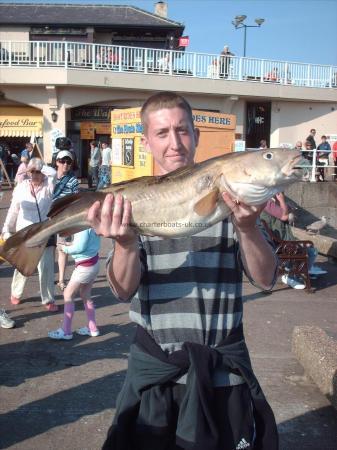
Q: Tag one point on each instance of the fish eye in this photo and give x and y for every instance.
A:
(268, 155)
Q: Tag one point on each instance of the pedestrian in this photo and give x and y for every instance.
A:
(308, 152)
(84, 249)
(311, 138)
(30, 203)
(263, 144)
(334, 157)
(272, 76)
(183, 385)
(276, 216)
(323, 152)
(21, 173)
(225, 62)
(66, 184)
(93, 166)
(28, 151)
(299, 146)
(105, 169)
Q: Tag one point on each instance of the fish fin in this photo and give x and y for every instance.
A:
(73, 230)
(15, 251)
(62, 203)
(207, 204)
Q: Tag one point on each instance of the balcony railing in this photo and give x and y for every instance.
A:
(74, 55)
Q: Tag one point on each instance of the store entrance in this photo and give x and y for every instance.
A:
(85, 153)
(257, 124)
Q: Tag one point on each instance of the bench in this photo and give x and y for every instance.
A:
(293, 257)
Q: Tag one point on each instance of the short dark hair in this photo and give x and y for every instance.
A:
(323, 137)
(312, 130)
(164, 100)
(93, 143)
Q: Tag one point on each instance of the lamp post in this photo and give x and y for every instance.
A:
(238, 22)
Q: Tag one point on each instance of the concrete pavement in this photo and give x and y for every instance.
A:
(62, 394)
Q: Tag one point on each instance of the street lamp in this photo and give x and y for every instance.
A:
(238, 22)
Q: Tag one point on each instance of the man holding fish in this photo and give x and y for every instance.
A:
(187, 375)
(189, 382)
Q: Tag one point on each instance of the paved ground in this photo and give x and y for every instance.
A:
(62, 394)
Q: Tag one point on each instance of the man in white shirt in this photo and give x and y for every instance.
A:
(105, 169)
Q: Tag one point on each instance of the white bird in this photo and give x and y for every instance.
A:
(291, 219)
(316, 227)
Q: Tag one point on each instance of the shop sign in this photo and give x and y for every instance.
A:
(184, 41)
(103, 128)
(87, 130)
(91, 113)
(214, 120)
(15, 122)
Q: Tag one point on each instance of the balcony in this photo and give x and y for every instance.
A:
(120, 59)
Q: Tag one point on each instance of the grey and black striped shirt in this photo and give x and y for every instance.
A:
(191, 290)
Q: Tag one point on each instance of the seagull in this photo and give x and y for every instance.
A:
(316, 227)
(291, 219)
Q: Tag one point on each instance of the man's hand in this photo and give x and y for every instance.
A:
(113, 219)
(244, 216)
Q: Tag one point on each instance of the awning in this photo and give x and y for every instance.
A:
(20, 122)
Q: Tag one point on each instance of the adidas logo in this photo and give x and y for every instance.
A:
(242, 444)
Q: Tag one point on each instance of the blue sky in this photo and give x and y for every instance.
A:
(294, 30)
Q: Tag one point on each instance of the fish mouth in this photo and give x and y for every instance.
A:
(297, 167)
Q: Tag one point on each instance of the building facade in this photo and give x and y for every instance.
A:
(63, 70)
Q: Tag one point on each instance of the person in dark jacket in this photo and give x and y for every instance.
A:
(323, 152)
(189, 382)
(311, 138)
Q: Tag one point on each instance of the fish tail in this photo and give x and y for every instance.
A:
(16, 251)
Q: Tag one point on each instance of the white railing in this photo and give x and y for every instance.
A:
(319, 161)
(71, 55)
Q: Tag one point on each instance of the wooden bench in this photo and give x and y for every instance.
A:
(293, 257)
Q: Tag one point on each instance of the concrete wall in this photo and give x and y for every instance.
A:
(14, 34)
(292, 121)
(56, 89)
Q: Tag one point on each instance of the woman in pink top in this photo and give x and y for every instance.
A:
(22, 173)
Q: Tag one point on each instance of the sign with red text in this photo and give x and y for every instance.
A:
(184, 41)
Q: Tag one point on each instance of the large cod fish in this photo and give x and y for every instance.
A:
(181, 203)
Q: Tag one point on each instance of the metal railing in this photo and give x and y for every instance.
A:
(319, 163)
(74, 55)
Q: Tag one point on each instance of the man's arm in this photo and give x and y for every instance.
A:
(112, 220)
(258, 257)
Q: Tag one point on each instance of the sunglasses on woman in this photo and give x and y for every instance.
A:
(65, 161)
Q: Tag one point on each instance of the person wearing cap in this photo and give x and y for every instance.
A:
(225, 62)
(31, 201)
(66, 184)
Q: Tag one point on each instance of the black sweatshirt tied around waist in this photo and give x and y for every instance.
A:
(143, 401)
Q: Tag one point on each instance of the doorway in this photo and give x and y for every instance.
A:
(257, 124)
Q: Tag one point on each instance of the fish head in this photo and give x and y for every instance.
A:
(255, 176)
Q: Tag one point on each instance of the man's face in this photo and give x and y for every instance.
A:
(29, 147)
(171, 138)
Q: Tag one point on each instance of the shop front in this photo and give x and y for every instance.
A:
(88, 123)
(19, 125)
(131, 160)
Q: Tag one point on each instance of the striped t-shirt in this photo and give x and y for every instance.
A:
(66, 185)
(191, 290)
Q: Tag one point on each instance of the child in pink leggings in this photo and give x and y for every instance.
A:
(84, 249)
